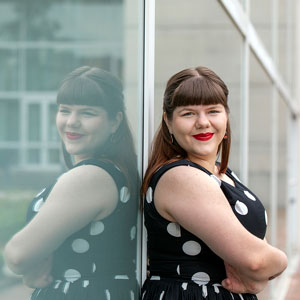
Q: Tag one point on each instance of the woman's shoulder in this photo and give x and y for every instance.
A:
(180, 171)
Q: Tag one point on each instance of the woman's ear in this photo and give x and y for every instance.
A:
(117, 121)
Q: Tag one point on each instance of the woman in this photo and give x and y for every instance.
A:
(205, 228)
(80, 241)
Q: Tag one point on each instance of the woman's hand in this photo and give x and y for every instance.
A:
(240, 284)
(40, 275)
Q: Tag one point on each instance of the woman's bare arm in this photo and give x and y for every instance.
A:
(190, 197)
(80, 195)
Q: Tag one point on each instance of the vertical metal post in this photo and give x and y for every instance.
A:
(149, 63)
(274, 137)
(244, 134)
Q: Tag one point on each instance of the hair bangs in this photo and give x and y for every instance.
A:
(198, 91)
(81, 91)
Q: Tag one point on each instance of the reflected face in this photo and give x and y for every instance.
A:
(199, 129)
(83, 129)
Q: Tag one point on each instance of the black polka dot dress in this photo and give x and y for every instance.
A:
(181, 266)
(99, 261)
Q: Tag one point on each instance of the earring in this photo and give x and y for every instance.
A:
(172, 138)
(225, 136)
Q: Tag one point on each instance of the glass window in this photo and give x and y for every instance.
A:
(33, 156)
(40, 43)
(9, 69)
(9, 120)
(52, 131)
(34, 122)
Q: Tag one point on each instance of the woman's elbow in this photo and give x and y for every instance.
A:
(262, 268)
(14, 258)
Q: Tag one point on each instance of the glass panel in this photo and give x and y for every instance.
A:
(34, 122)
(48, 64)
(9, 120)
(53, 156)
(8, 157)
(40, 43)
(33, 156)
(52, 131)
(194, 35)
(9, 69)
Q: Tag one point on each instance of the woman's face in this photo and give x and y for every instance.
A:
(84, 129)
(199, 129)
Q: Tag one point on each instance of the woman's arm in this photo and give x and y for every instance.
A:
(79, 196)
(190, 197)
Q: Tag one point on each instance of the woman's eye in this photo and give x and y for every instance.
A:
(88, 113)
(63, 111)
(213, 111)
(186, 114)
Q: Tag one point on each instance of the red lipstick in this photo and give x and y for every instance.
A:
(73, 135)
(203, 136)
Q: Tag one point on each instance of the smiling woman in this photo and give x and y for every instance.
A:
(205, 228)
(70, 248)
(78, 127)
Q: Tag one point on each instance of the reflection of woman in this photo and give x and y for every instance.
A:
(205, 228)
(80, 242)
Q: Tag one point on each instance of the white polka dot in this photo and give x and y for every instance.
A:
(217, 180)
(266, 217)
(249, 195)
(191, 248)
(201, 278)
(97, 227)
(241, 208)
(66, 287)
(178, 269)
(80, 246)
(107, 294)
(174, 229)
(94, 268)
(40, 192)
(124, 194)
(184, 285)
(131, 295)
(72, 275)
(38, 204)
(155, 278)
(57, 284)
(85, 283)
(235, 176)
(161, 295)
(204, 291)
(133, 233)
(149, 195)
(123, 277)
(216, 287)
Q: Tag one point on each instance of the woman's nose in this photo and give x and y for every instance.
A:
(73, 120)
(202, 121)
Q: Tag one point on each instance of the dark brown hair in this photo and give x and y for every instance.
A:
(96, 87)
(194, 86)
